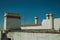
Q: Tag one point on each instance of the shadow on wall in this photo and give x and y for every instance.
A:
(4, 36)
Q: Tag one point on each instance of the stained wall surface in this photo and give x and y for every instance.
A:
(13, 23)
(32, 36)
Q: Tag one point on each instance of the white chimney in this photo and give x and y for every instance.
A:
(47, 16)
(51, 20)
(51, 16)
(36, 20)
(5, 21)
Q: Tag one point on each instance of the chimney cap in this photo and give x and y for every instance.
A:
(5, 14)
(36, 17)
(47, 14)
(51, 14)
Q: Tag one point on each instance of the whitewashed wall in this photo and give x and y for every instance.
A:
(47, 24)
(31, 27)
(33, 36)
(57, 23)
(0, 35)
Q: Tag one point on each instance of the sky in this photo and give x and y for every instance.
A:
(28, 9)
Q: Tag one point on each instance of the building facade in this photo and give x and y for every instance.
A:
(49, 29)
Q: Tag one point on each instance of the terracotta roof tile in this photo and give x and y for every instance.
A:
(13, 15)
(32, 25)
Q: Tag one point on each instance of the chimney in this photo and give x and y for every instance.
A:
(5, 21)
(51, 20)
(47, 16)
(11, 21)
(36, 20)
(51, 16)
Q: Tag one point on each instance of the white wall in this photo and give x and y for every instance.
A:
(33, 36)
(31, 27)
(5, 23)
(47, 23)
(57, 23)
(0, 35)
